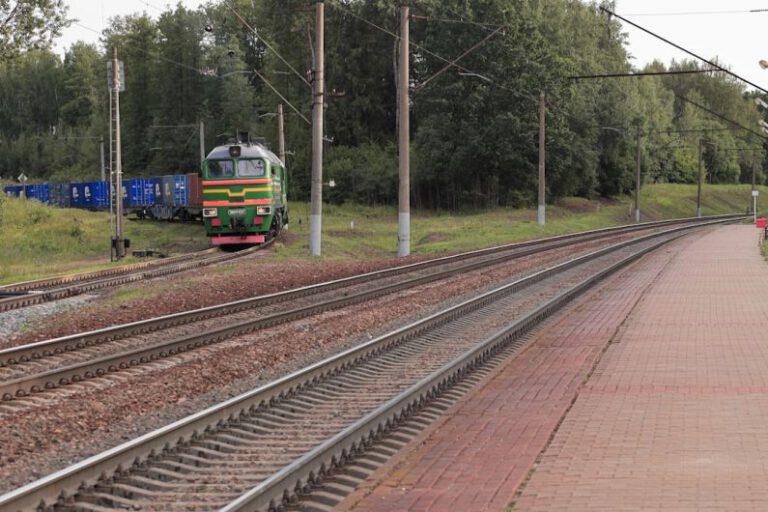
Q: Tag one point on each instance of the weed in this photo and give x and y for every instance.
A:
(76, 231)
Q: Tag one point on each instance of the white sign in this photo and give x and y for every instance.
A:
(120, 75)
(755, 193)
(22, 178)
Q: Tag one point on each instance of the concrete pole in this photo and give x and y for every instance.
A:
(202, 143)
(637, 175)
(111, 171)
(542, 158)
(101, 153)
(119, 247)
(698, 192)
(281, 134)
(404, 133)
(754, 197)
(316, 202)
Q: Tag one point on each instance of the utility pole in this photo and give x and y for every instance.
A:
(542, 158)
(119, 242)
(101, 152)
(318, 90)
(404, 133)
(111, 162)
(698, 190)
(637, 175)
(754, 196)
(202, 143)
(280, 134)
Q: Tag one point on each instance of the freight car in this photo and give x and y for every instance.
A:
(244, 194)
(163, 197)
(177, 196)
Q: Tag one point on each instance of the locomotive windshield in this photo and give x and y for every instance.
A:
(221, 168)
(250, 168)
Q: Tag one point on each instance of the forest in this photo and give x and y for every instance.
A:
(474, 127)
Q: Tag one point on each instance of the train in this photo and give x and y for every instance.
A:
(162, 197)
(244, 194)
(240, 195)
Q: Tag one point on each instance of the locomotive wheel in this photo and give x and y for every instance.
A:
(277, 225)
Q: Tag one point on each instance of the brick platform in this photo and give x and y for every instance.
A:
(674, 417)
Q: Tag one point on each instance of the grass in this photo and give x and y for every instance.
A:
(125, 295)
(359, 232)
(37, 241)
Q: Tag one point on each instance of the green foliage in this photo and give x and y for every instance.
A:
(474, 124)
(366, 174)
(29, 24)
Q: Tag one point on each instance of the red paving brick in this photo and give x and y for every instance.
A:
(615, 441)
(675, 416)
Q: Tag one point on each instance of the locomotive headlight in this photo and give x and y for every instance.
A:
(210, 212)
(263, 210)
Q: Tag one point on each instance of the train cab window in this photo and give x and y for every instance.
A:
(220, 168)
(251, 168)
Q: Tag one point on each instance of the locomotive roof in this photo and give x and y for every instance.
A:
(246, 151)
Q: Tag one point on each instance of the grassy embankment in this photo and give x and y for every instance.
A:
(38, 241)
(375, 229)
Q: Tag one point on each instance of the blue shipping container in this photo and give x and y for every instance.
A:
(97, 194)
(157, 187)
(12, 190)
(126, 195)
(167, 184)
(76, 196)
(149, 191)
(174, 189)
(181, 190)
(60, 195)
(40, 192)
(89, 194)
(134, 196)
(142, 193)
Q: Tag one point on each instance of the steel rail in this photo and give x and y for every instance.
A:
(38, 297)
(54, 346)
(122, 360)
(48, 490)
(38, 284)
(47, 282)
(289, 483)
(38, 350)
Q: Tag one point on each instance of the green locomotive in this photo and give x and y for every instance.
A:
(244, 194)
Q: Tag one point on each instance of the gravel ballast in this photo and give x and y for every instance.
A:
(56, 428)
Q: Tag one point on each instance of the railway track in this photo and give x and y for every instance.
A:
(264, 449)
(49, 364)
(30, 293)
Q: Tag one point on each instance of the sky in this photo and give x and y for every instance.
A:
(722, 28)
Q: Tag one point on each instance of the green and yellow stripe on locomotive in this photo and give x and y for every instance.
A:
(244, 194)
